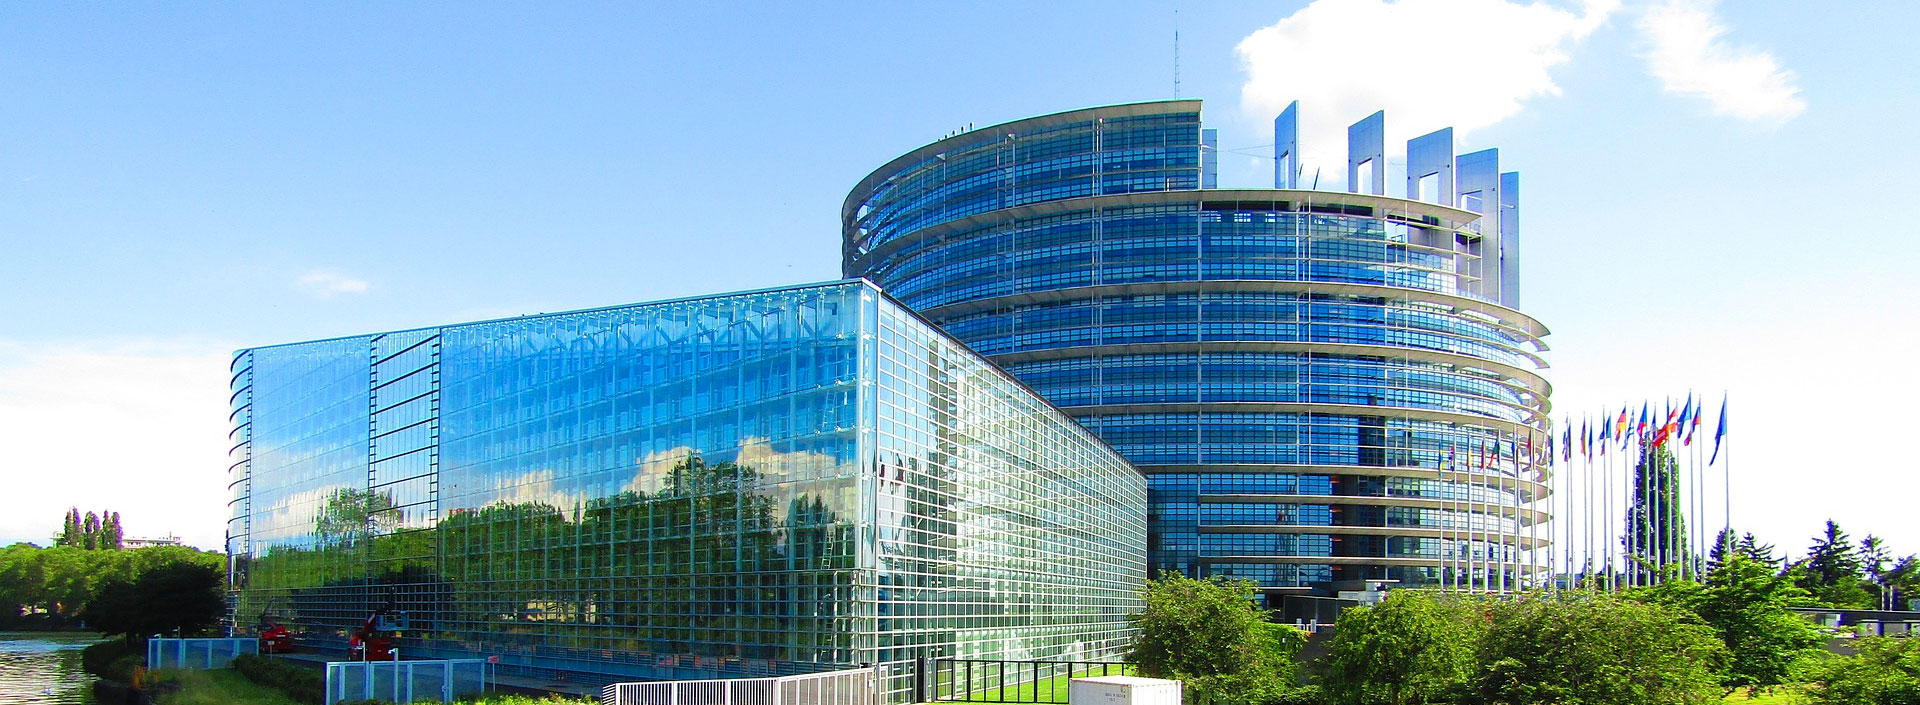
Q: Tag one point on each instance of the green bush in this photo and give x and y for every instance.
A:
(1412, 647)
(1209, 635)
(510, 699)
(112, 660)
(1882, 671)
(303, 684)
(1575, 649)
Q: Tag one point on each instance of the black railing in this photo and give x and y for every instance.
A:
(996, 681)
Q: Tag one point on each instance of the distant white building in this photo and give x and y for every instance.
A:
(168, 540)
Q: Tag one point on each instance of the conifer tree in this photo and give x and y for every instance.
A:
(70, 529)
(114, 534)
(90, 532)
(1762, 552)
(1833, 570)
(1656, 526)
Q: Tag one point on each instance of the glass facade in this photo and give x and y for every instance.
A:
(1316, 383)
(763, 483)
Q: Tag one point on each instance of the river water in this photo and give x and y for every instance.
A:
(41, 667)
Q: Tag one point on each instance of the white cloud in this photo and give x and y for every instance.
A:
(136, 428)
(1428, 63)
(1689, 56)
(327, 283)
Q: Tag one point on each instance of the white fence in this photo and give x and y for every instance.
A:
(855, 687)
(197, 653)
(405, 681)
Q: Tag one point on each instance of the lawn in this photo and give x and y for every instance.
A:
(223, 686)
(1045, 690)
(500, 699)
(1779, 696)
(226, 686)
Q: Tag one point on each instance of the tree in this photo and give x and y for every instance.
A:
(1833, 571)
(1904, 579)
(1209, 634)
(176, 597)
(1747, 604)
(70, 529)
(1596, 649)
(90, 532)
(1882, 671)
(111, 534)
(1656, 527)
(1760, 552)
(1412, 647)
(1874, 562)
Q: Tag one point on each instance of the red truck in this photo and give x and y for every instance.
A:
(372, 641)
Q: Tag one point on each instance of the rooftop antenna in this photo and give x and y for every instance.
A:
(1176, 53)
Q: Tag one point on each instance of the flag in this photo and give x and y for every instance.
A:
(1540, 469)
(1586, 438)
(1451, 459)
(1566, 442)
(1620, 424)
(1720, 433)
(1686, 412)
(1640, 428)
(1697, 415)
(1606, 429)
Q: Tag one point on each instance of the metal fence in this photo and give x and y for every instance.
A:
(405, 681)
(996, 681)
(197, 653)
(854, 687)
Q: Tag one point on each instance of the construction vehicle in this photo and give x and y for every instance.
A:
(274, 638)
(373, 641)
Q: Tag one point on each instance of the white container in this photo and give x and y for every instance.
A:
(1122, 690)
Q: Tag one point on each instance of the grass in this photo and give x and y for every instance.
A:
(503, 699)
(226, 686)
(1045, 690)
(223, 686)
(1779, 696)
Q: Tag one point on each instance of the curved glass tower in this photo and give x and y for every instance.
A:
(1329, 392)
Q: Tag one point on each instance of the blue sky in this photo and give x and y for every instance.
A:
(1711, 192)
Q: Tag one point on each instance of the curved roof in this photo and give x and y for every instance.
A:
(1151, 107)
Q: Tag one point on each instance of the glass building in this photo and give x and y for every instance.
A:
(773, 482)
(1330, 392)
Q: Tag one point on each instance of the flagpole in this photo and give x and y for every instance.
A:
(1450, 530)
(1452, 517)
(1473, 526)
(1606, 512)
(1500, 526)
(1448, 572)
(1586, 532)
(1617, 540)
(1486, 560)
(1700, 499)
(1567, 555)
(1643, 483)
(1728, 468)
(1603, 543)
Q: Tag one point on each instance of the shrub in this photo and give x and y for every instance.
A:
(1882, 671)
(184, 598)
(112, 660)
(1575, 649)
(303, 684)
(1412, 647)
(1209, 635)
